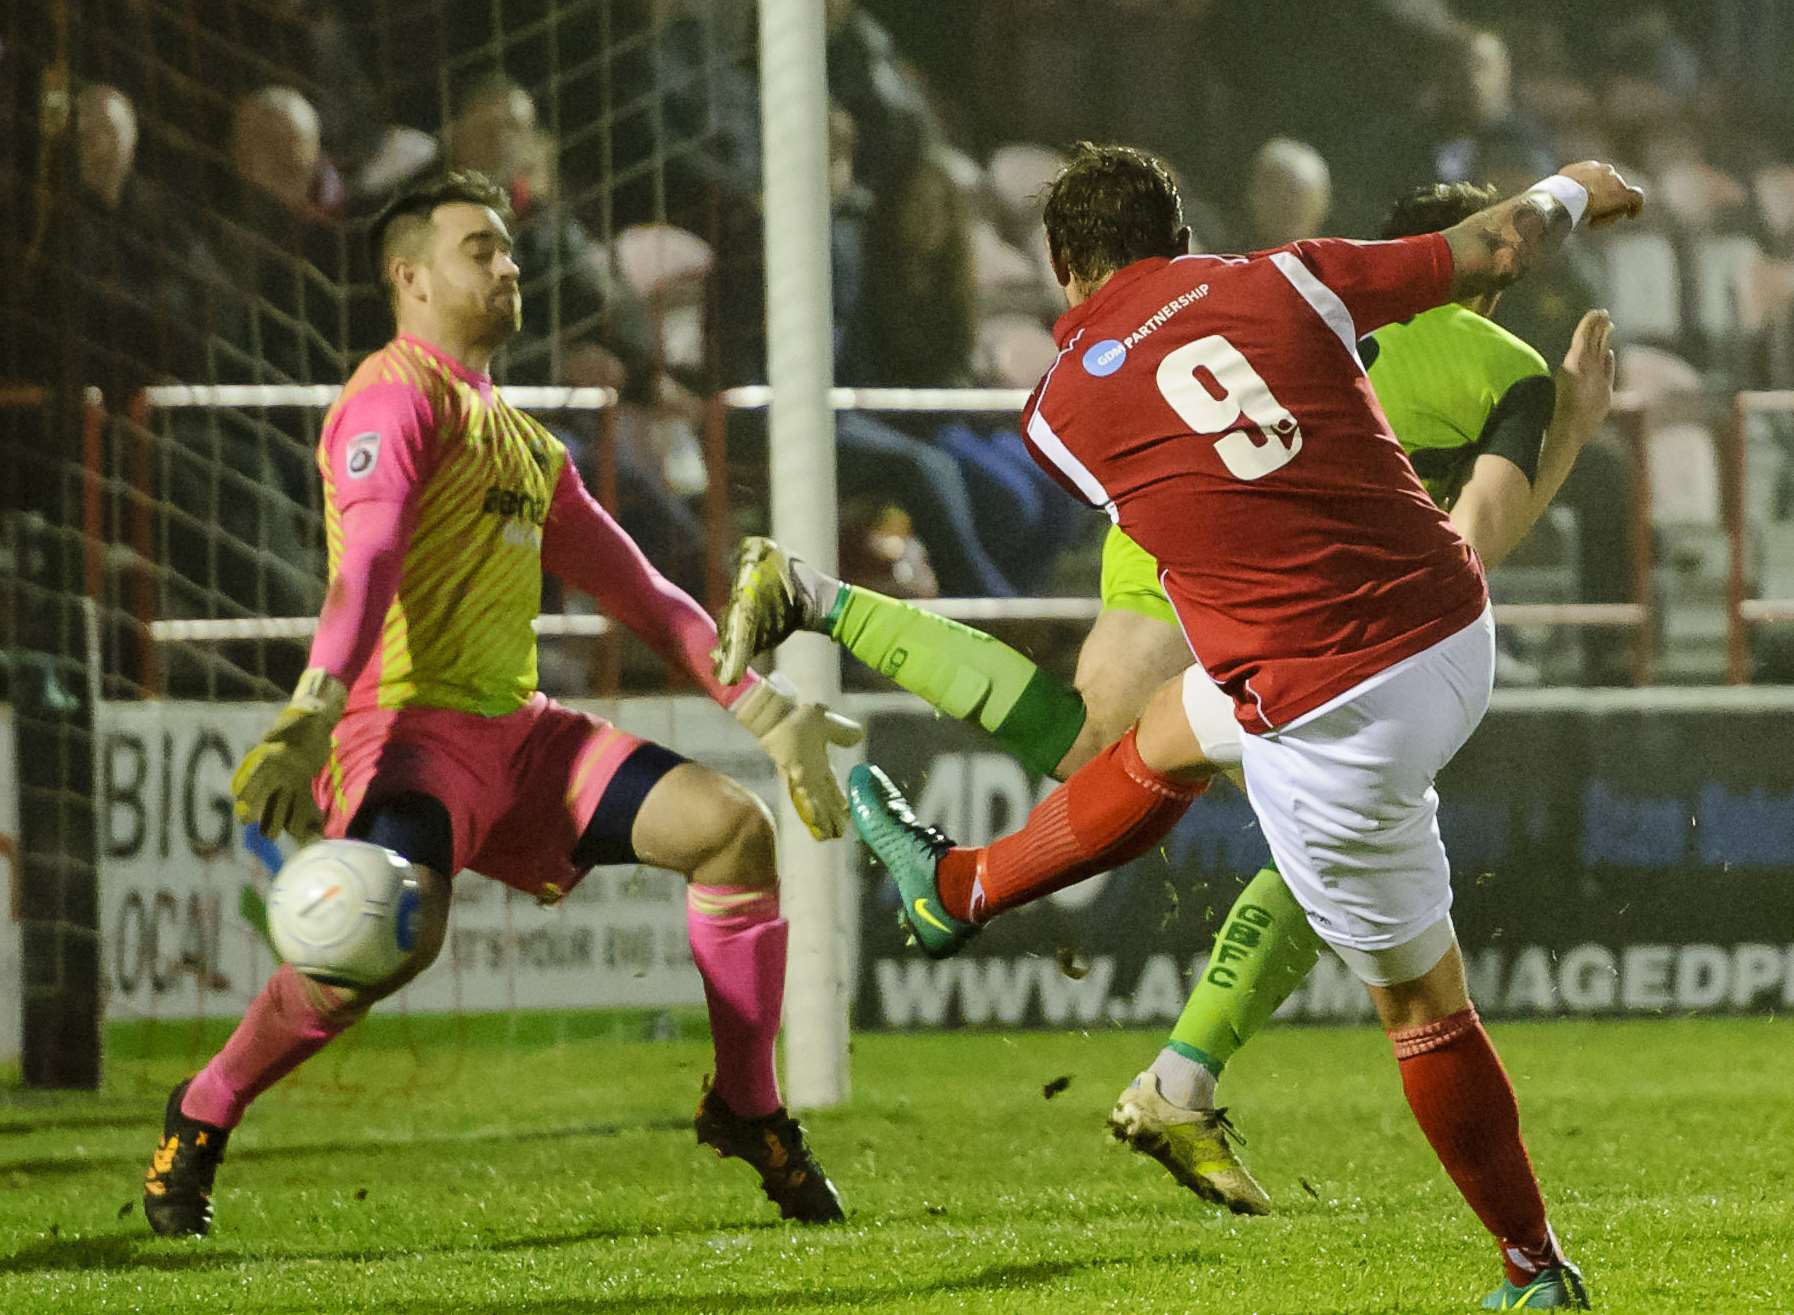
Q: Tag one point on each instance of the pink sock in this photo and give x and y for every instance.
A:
(738, 941)
(281, 1030)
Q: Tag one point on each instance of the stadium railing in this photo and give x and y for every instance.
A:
(1744, 612)
(1631, 418)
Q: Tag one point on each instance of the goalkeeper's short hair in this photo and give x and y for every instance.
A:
(409, 211)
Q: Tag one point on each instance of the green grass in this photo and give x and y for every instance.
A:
(539, 1168)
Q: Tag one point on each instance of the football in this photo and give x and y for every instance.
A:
(344, 912)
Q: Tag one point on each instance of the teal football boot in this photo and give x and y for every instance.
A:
(1557, 1288)
(910, 852)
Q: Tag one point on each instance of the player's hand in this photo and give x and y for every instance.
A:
(272, 785)
(797, 736)
(1610, 197)
(1585, 379)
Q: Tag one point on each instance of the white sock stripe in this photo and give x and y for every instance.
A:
(714, 903)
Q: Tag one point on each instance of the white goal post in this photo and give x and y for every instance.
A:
(801, 460)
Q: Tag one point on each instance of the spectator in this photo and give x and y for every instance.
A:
(686, 123)
(277, 145)
(1289, 194)
(913, 323)
(128, 274)
(105, 143)
(149, 299)
(1339, 77)
(286, 255)
(1474, 106)
(850, 210)
(495, 133)
(584, 327)
(374, 155)
(908, 321)
(1646, 46)
(886, 101)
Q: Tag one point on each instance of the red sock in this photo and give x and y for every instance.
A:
(1465, 1105)
(1112, 809)
(283, 1027)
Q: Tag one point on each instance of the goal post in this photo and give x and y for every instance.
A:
(801, 454)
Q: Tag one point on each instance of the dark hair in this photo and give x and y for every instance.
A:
(1436, 207)
(917, 320)
(410, 209)
(1111, 206)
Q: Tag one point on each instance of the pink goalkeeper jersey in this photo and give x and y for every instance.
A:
(457, 634)
(443, 504)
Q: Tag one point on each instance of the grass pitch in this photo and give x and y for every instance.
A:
(444, 1167)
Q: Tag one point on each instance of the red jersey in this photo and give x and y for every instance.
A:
(1216, 408)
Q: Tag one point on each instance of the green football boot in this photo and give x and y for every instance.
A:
(1195, 1146)
(1558, 1288)
(910, 852)
(768, 603)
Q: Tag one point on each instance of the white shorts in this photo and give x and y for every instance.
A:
(1345, 797)
(1211, 717)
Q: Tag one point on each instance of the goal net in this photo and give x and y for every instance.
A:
(187, 185)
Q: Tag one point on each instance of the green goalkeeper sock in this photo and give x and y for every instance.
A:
(1263, 953)
(964, 672)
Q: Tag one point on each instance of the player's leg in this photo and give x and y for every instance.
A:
(1347, 803)
(1111, 810)
(1127, 655)
(1133, 647)
(963, 672)
(591, 794)
(1461, 1097)
(713, 830)
(719, 836)
(1014, 872)
(289, 1021)
(1264, 951)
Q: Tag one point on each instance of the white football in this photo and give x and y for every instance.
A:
(345, 912)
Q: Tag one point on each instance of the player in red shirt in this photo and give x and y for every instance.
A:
(1216, 407)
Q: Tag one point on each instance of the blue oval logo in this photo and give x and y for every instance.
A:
(408, 919)
(1105, 357)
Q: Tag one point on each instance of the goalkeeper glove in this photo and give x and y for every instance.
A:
(796, 736)
(273, 783)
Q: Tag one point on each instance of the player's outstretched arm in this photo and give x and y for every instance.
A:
(590, 551)
(1506, 494)
(378, 458)
(1584, 397)
(1496, 246)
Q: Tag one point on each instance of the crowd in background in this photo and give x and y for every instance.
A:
(205, 220)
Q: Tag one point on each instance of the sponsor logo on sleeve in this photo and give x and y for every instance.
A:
(364, 452)
(1104, 358)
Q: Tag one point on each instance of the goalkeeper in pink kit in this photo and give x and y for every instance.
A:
(418, 725)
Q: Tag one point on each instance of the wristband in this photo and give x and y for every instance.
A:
(765, 704)
(1566, 191)
(318, 690)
